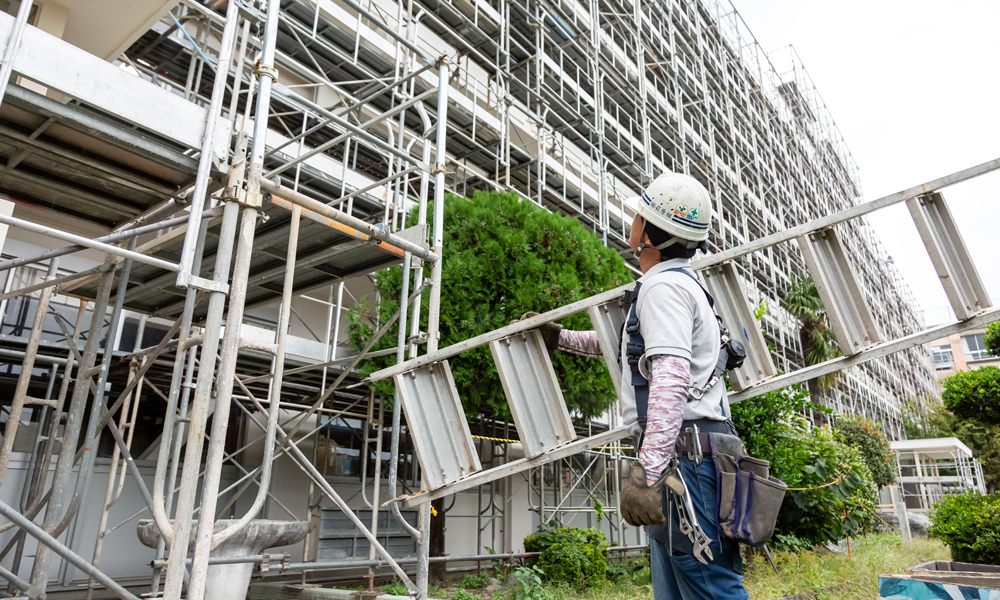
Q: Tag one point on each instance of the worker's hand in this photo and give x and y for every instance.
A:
(640, 502)
(550, 331)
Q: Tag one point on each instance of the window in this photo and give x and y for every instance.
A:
(339, 538)
(975, 349)
(943, 358)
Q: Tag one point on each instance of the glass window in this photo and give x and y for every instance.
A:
(975, 349)
(943, 358)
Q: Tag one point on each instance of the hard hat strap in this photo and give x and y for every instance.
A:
(690, 245)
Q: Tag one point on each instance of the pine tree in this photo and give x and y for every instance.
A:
(502, 258)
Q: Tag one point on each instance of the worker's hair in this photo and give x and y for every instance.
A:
(657, 236)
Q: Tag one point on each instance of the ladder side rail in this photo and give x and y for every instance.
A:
(716, 259)
(877, 351)
(516, 466)
(499, 334)
(847, 214)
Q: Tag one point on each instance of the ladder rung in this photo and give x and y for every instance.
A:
(733, 307)
(437, 424)
(955, 269)
(838, 287)
(533, 392)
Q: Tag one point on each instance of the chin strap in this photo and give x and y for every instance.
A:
(690, 245)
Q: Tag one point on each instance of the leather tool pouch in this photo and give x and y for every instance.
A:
(749, 498)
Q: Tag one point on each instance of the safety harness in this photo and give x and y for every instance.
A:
(731, 352)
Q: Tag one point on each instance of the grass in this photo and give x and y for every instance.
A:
(835, 577)
(831, 575)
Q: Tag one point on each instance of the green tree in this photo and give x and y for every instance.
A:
(504, 257)
(992, 338)
(974, 394)
(869, 439)
(819, 344)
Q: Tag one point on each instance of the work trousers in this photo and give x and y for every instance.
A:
(679, 576)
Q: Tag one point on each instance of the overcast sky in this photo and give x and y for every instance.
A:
(915, 89)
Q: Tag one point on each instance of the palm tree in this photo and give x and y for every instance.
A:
(819, 344)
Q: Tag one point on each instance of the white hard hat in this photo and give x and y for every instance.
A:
(679, 205)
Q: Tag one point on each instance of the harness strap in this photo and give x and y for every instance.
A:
(636, 346)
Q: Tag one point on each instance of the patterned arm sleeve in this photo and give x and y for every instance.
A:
(583, 343)
(668, 392)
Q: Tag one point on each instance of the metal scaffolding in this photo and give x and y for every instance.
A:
(931, 469)
(286, 143)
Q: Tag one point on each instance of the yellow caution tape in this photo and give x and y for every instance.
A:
(502, 440)
(818, 487)
(492, 439)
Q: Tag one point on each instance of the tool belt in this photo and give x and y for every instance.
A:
(748, 498)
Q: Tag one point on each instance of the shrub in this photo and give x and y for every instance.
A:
(830, 513)
(465, 595)
(790, 543)
(396, 588)
(571, 555)
(992, 338)
(869, 439)
(528, 585)
(969, 524)
(808, 457)
(473, 582)
(974, 394)
(503, 257)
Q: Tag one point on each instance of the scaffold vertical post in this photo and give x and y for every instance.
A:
(434, 306)
(13, 45)
(209, 145)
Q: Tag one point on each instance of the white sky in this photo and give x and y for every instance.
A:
(915, 89)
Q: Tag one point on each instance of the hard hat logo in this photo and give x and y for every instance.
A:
(679, 205)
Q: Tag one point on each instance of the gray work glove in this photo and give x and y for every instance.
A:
(550, 332)
(640, 503)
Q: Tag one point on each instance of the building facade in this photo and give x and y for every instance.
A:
(961, 352)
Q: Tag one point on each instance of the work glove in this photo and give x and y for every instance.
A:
(550, 332)
(640, 503)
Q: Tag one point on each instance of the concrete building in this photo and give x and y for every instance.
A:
(961, 352)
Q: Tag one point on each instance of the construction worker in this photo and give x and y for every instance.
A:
(680, 334)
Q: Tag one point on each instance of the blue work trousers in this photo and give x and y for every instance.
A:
(679, 576)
